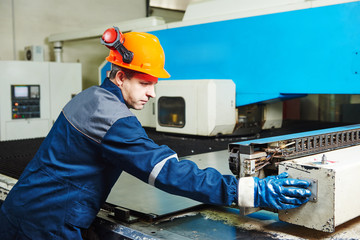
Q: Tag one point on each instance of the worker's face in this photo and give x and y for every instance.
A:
(138, 90)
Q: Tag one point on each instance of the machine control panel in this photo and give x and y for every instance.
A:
(25, 101)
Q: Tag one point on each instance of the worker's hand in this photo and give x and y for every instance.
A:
(277, 192)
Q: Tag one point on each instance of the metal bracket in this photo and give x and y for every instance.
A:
(313, 188)
(124, 215)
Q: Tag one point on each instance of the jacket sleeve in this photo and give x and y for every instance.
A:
(127, 146)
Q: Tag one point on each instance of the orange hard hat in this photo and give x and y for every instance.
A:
(147, 54)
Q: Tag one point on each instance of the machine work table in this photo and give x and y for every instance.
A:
(213, 223)
(158, 215)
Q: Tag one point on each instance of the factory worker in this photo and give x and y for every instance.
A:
(96, 137)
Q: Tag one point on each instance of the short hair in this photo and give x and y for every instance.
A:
(115, 68)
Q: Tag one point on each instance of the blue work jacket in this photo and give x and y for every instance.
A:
(94, 139)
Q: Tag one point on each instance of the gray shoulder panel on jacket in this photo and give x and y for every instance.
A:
(94, 111)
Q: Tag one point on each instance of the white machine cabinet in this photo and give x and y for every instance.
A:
(335, 188)
(32, 95)
(196, 107)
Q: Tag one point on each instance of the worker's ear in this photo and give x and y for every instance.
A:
(119, 78)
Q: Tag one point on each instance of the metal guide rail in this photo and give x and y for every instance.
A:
(248, 157)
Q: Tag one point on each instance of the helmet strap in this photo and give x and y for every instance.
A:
(126, 54)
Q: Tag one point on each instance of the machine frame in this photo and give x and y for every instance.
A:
(326, 158)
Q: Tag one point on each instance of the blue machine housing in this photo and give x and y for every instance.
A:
(274, 56)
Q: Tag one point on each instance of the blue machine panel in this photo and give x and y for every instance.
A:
(104, 70)
(274, 56)
(311, 51)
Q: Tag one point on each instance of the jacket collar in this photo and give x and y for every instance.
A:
(111, 87)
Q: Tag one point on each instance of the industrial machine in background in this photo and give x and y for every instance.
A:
(32, 95)
(192, 107)
(203, 107)
(272, 51)
(327, 158)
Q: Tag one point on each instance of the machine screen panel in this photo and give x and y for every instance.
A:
(171, 112)
(25, 101)
(21, 92)
(34, 91)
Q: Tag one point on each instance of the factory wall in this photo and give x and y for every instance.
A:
(25, 23)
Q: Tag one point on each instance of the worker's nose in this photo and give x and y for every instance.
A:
(151, 91)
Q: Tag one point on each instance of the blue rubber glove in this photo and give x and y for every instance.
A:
(278, 192)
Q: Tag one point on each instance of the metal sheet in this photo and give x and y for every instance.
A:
(133, 194)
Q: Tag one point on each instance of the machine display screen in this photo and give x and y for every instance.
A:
(34, 91)
(21, 92)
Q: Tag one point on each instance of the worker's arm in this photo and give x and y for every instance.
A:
(127, 146)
